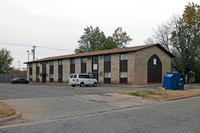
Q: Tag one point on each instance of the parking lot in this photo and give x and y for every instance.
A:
(8, 91)
(48, 102)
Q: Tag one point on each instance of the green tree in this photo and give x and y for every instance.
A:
(186, 37)
(121, 38)
(91, 40)
(5, 61)
(94, 39)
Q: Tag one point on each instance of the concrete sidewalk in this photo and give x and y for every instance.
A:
(117, 100)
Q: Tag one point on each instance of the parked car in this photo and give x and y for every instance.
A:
(82, 80)
(19, 80)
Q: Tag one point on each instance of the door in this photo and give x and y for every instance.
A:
(154, 70)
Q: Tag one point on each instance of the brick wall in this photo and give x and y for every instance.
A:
(141, 63)
(137, 66)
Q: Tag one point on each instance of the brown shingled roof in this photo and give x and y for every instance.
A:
(110, 51)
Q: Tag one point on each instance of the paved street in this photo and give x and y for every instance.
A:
(173, 117)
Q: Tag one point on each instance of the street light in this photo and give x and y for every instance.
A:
(28, 55)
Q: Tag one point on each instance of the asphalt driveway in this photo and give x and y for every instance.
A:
(49, 102)
(16, 91)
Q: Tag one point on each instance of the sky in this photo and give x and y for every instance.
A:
(55, 26)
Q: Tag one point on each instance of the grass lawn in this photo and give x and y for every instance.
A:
(6, 111)
(193, 84)
(164, 94)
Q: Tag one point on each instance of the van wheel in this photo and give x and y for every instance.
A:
(95, 84)
(82, 84)
(73, 85)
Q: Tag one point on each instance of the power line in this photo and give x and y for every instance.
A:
(28, 45)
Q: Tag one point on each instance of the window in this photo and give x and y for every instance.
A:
(107, 63)
(123, 57)
(51, 71)
(154, 62)
(72, 61)
(107, 58)
(30, 72)
(72, 66)
(71, 76)
(123, 66)
(60, 71)
(123, 74)
(51, 63)
(44, 67)
(95, 60)
(38, 64)
(107, 75)
(83, 76)
(91, 76)
(60, 62)
(83, 65)
(75, 76)
(37, 72)
(95, 67)
(83, 60)
(123, 77)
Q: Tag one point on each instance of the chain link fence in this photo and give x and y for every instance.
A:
(6, 78)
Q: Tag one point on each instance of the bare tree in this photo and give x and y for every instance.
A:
(181, 36)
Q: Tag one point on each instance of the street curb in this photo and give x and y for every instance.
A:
(15, 116)
(179, 98)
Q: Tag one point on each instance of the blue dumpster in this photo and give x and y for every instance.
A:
(173, 81)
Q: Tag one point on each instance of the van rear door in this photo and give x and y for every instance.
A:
(71, 79)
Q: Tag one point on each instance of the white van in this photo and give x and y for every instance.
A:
(82, 80)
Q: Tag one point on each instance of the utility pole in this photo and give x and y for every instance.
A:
(28, 55)
(19, 64)
(33, 51)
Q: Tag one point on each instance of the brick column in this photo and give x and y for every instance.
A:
(27, 71)
(34, 72)
(77, 65)
(66, 70)
(101, 69)
(89, 64)
(115, 68)
(55, 74)
(131, 67)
